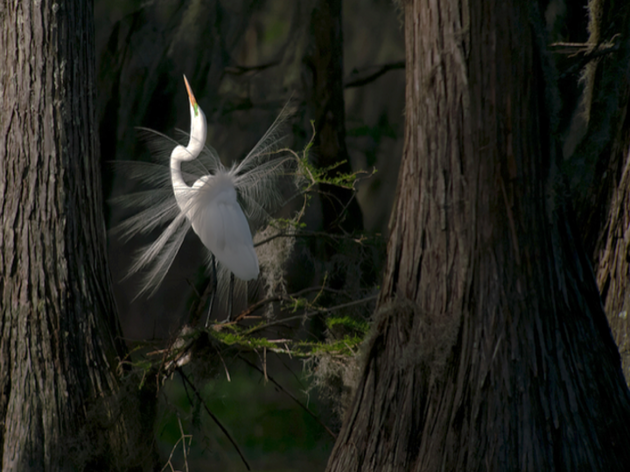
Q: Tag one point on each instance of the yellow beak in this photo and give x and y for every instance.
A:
(191, 97)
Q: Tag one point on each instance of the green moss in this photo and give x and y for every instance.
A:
(360, 326)
(235, 338)
(345, 346)
(322, 175)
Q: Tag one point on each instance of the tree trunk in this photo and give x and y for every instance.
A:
(604, 196)
(490, 349)
(613, 262)
(59, 338)
(339, 208)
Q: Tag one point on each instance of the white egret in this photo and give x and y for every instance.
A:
(215, 205)
(210, 204)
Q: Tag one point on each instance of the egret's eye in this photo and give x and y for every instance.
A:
(196, 108)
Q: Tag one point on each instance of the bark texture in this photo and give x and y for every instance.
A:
(491, 350)
(325, 62)
(58, 328)
(613, 263)
(604, 197)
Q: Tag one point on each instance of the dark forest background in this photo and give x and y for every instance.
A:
(507, 296)
(244, 60)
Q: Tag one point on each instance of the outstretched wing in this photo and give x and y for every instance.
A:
(258, 175)
(158, 256)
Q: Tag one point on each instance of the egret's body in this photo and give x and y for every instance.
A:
(218, 220)
(213, 206)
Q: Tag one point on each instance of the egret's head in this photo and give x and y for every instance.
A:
(198, 126)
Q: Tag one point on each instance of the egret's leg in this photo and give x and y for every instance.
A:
(230, 297)
(214, 289)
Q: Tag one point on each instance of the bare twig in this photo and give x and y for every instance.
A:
(183, 436)
(214, 418)
(375, 75)
(252, 308)
(265, 364)
(310, 234)
(585, 52)
(181, 439)
(318, 288)
(227, 372)
(293, 397)
(590, 50)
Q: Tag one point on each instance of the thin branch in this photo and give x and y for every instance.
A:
(241, 70)
(281, 360)
(317, 288)
(310, 234)
(265, 364)
(227, 372)
(181, 430)
(293, 397)
(375, 75)
(214, 418)
(342, 213)
(312, 313)
(182, 439)
(252, 308)
(590, 50)
(278, 298)
(201, 307)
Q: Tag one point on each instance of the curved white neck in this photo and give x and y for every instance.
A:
(198, 129)
(180, 188)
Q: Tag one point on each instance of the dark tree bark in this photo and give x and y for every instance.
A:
(325, 62)
(59, 344)
(490, 349)
(597, 162)
(604, 161)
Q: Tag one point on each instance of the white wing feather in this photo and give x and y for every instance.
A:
(218, 220)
